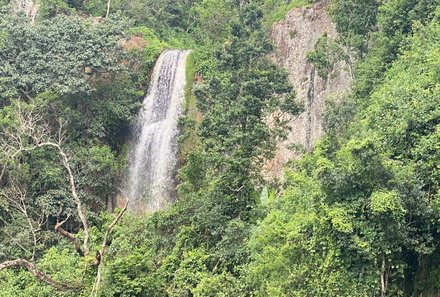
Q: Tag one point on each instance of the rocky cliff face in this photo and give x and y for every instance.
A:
(294, 37)
(28, 7)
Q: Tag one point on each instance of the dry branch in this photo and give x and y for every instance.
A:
(100, 254)
(71, 237)
(108, 9)
(15, 195)
(29, 133)
(37, 273)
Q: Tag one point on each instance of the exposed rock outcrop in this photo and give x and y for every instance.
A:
(294, 37)
(28, 7)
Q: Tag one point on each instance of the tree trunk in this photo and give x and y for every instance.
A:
(383, 279)
(108, 8)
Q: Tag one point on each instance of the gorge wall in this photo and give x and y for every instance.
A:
(294, 37)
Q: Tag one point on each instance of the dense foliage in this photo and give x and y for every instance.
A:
(364, 203)
(357, 216)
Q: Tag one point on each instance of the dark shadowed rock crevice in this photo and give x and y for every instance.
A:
(294, 37)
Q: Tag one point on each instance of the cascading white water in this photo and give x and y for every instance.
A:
(153, 154)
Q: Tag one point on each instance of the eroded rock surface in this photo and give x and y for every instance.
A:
(294, 37)
(28, 7)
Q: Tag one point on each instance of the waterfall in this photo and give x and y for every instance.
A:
(153, 153)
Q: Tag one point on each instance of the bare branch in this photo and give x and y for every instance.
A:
(75, 196)
(100, 254)
(77, 201)
(108, 9)
(2, 173)
(16, 196)
(31, 133)
(236, 190)
(107, 233)
(37, 273)
(69, 236)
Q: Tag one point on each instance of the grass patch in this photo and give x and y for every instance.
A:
(188, 138)
(189, 103)
(276, 10)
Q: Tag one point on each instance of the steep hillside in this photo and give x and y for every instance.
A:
(357, 214)
(295, 38)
